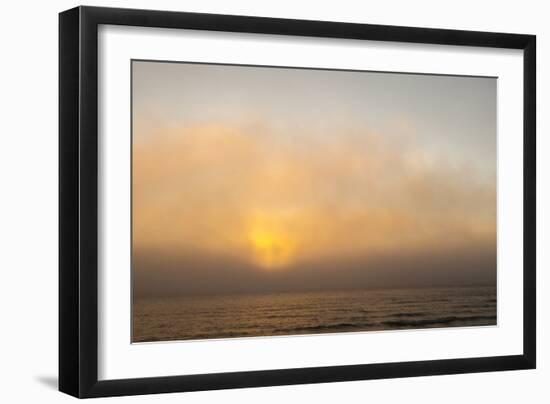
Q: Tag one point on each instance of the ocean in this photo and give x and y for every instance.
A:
(228, 316)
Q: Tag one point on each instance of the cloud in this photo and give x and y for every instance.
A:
(248, 196)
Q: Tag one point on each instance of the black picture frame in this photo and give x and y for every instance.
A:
(78, 201)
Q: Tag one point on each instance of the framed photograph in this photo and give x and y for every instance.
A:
(251, 201)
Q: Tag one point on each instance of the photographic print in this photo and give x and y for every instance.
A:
(273, 201)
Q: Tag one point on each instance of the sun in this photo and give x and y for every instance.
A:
(271, 249)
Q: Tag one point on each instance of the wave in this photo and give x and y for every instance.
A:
(327, 327)
(435, 321)
(410, 314)
(388, 323)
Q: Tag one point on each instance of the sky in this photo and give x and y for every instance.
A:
(260, 179)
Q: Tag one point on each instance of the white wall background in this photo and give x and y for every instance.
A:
(28, 202)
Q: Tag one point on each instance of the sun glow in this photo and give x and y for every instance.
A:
(271, 249)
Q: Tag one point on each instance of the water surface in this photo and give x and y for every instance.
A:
(204, 317)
